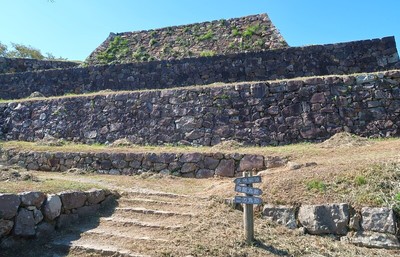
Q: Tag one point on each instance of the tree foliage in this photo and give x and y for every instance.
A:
(25, 51)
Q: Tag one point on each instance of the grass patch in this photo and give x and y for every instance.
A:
(207, 53)
(316, 185)
(117, 49)
(209, 35)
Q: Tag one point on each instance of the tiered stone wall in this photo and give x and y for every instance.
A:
(344, 58)
(251, 33)
(262, 113)
(199, 165)
(35, 214)
(14, 65)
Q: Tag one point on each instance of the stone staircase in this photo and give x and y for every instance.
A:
(142, 224)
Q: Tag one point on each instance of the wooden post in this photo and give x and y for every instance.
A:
(248, 218)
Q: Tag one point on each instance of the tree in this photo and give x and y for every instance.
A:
(24, 51)
(3, 50)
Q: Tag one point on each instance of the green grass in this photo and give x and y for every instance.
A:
(209, 35)
(207, 53)
(316, 185)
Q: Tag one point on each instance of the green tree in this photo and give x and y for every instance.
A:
(3, 50)
(23, 51)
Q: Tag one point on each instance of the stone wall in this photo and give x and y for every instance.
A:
(344, 58)
(369, 226)
(199, 165)
(14, 65)
(262, 113)
(35, 214)
(251, 33)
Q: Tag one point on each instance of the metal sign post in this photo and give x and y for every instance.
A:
(248, 200)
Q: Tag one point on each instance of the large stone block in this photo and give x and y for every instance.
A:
(325, 219)
(72, 199)
(283, 215)
(66, 220)
(52, 207)
(89, 210)
(373, 239)
(378, 220)
(226, 168)
(95, 196)
(250, 162)
(24, 223)
(204, 173)
(45, 230)
(32, 198)
(9, 204)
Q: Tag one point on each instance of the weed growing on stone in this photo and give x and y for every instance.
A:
(117, 49)
(209, 35)
(251, 30)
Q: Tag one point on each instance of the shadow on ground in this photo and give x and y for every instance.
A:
(57, 244)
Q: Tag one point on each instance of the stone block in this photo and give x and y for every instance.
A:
(210, 163)
(226, 168)
(283, 215)
(325, 219)
(191, 157)
(250, 162)
(373, 240)
(95, 196)
(204, 173)
(72, 199)
(9, 204)
(52, 207)
(188, 167)
(378, 220)
(88, 210)
(24, 223)
(44, 230)
(32, 199)
(5, 227)
(66, 220)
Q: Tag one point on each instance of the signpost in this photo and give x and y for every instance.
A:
(245, 185)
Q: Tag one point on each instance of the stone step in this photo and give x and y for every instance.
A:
(114, 243)
(131, 235)
(155, 195)
(136, 201)
(180, 207)
(93, 249)
(152, 212)
(124, 222)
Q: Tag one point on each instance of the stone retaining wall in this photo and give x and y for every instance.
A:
(370, 226)
(14, 65)
(264, 113)
(35, 214)
(251, 33)
(199, 165)
(343, 58)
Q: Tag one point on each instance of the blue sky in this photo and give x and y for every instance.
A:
(74, 28)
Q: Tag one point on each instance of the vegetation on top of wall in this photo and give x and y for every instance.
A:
(118, 48)
(257, 32)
